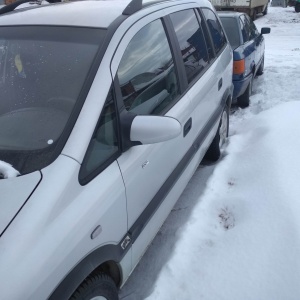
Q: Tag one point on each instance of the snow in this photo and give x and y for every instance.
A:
(7, 170)
(235, 232)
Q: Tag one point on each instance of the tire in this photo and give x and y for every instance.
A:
(214, 151)
(96, 287)
(297, 7)
(265, 11)
(260, 70)
(244, 100)
(253, 16)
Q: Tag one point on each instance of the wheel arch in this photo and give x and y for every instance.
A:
(227, 96)
(105, 259)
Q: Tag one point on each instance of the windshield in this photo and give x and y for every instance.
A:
(232, 31)
(42, 71)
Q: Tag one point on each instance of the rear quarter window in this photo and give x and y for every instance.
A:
(231, 27)
(215, 29)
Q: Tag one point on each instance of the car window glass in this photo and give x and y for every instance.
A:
(253, 30)
(245, 29)
(191, 41)
(146, 72)
(104, 143)
(208, 41)
(232, 30)
(215, 29)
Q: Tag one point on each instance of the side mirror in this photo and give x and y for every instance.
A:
(154, 129)
(265, 30)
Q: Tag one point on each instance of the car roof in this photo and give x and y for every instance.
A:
(87, 13)
(229, 14)
(78, 13)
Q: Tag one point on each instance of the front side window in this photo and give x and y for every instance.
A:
(215, 29)
(245, 28)
(104, 143)
(253, 30)
(146, 72)
(191, 41)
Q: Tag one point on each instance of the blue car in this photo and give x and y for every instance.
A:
(248, 47)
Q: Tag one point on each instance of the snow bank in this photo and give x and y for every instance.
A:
(242, 241)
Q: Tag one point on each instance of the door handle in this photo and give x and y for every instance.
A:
(187, 127)
(220, 84)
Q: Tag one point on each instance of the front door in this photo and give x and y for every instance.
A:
(148, 84)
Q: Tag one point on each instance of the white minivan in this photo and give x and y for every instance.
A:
(106, 110)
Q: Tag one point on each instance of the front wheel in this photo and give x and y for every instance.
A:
(265, 11)
(253, 15)
(214, 151)
(96, 287)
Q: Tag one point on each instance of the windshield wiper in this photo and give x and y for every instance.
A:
(7, 170)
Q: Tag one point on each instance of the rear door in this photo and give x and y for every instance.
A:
(198, 57)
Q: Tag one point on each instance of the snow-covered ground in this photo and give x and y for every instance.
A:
(235, 232)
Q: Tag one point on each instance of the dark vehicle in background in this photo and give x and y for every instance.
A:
(248, 47)
(251, 7)
(295, 3)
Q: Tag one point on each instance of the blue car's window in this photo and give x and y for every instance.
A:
(231, 27)
(253, 30)
(245, 27)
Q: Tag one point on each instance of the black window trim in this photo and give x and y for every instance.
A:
(83, 180)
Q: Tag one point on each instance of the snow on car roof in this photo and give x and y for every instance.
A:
(80, 13)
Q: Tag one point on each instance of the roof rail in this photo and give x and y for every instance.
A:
(14, 5)
(132, 7)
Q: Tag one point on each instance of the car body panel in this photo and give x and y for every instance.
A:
(14, 193)
(53, 234)
(47, 222)
(251, 51)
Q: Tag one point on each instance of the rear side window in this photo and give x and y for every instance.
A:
(215, 29)
(253, 30)
(245, 28)
(231, 27)
(191, 41)
(146, 72)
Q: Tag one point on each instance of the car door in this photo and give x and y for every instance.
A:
(258, 41)
(143, 66)
(201, 72)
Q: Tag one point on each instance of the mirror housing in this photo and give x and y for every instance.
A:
(265, 30)
(154, 129)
